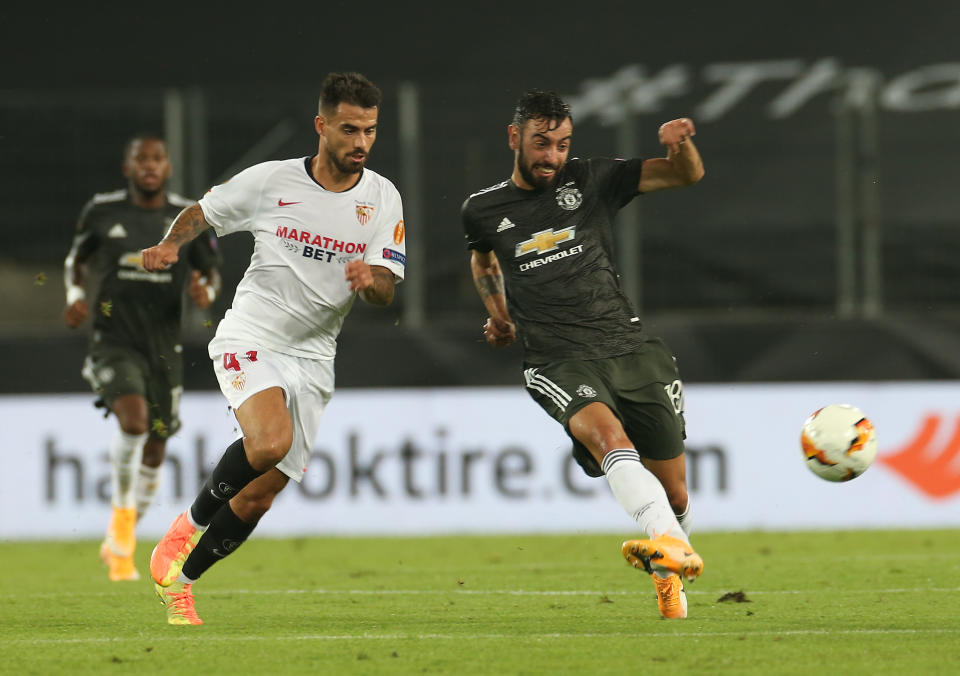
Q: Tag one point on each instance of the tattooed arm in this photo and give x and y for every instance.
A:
(499, 330)
(374, 283)
(188, 224)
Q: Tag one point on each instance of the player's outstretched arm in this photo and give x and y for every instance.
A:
(499, 330)
(374, 283)
(188, 224)
(681, 167)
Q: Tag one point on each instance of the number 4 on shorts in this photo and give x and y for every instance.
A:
(230, 362)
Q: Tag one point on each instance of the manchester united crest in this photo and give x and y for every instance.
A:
(364, 213)
(569, 197)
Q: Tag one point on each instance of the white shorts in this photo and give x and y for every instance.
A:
(242, 370)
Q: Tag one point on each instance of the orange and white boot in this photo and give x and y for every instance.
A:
(671, 597)
(663, 554)
(118, 546)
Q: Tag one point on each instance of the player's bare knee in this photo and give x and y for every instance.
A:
(611, 437)
(266, 450)
(131, 413)
(268, 455)
(133, 426)
(132, 421)
(602, 438)
(268, 441)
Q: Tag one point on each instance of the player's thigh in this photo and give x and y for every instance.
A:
(132, 412)
(114, 371)
(256, 387)
(563, 389)
(265, 415)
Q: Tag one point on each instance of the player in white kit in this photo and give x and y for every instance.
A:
(326, 229)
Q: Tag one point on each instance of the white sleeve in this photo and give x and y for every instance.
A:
(232, 206)
(388, 246)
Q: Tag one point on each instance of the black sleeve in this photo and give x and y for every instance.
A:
(85, 240)
(619, 180)
(203, 252)
(472, 230)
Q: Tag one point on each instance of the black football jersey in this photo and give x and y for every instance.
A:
(555, 247)
(135, 307)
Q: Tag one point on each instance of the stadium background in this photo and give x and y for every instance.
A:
(819, 248)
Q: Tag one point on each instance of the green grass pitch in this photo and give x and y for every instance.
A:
(865, 602)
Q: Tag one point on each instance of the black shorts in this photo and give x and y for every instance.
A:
(643, 389)
(114, 370)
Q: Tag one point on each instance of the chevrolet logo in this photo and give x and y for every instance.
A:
(545, 240)
(132, 259)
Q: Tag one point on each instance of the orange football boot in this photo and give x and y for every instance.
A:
(178, 598)
(671, 598)
(172, 551)
(663, 554)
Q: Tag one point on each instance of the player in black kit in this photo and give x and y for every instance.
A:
(542, 259)
(135, 362)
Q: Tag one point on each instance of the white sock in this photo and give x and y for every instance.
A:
(147, 484)
(640, 494)
(685, 519)
(125, 453)
(193, 521)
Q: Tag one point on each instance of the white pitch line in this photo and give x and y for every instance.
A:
(208, 638)
(490, 592)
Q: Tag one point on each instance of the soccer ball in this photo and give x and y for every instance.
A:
(838, 442)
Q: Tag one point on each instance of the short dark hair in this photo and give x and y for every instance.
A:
(351, 88)
(140, 137)
(538, 104)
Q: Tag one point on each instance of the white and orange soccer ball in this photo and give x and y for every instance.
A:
(839, 442)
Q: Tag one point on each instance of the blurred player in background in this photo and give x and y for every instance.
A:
(543, 263)
(326, 230)
(135, 360)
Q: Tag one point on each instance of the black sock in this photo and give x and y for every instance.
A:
(231, 474)
(225, 534)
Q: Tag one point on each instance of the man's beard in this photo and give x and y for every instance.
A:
(344, 165)
(147, 193)
(538, 182)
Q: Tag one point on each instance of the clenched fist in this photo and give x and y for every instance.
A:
(358, 275)
(498, 332)
(159, 257)
(675, 132)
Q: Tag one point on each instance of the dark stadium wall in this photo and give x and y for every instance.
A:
(739, 274)
(181, 44)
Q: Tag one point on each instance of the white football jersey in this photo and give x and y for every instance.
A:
(294, 297)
